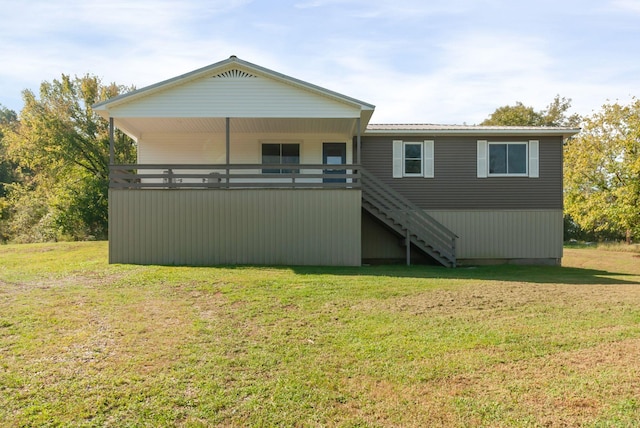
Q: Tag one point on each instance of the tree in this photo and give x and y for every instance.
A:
(8, 172)
(8, 121)
(62, 147)
(602, 172)
(556, 114)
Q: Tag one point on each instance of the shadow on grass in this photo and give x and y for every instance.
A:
(512, 273)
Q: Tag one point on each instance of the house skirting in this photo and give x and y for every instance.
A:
(235, 226)
(484, 236)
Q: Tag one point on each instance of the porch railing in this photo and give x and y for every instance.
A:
(206, 176)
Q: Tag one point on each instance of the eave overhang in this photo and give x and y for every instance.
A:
(467, 130)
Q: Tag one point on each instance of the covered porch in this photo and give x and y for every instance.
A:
(295, 201)
(236, 164)
(225, 153)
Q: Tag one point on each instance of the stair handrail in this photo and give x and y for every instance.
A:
(402, 204)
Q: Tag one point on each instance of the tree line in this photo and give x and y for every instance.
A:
(54, 162)
(54, 159)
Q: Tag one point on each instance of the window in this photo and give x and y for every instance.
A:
(502, 159)
(278, 154)
(507, 158)
(413, 159)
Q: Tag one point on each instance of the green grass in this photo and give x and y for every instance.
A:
(85, 343)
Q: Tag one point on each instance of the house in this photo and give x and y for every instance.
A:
(239, 164)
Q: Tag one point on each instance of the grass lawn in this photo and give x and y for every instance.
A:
(84, 343)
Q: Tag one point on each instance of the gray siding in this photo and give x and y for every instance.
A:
(456, 186)
(484, 235)
(240, 226)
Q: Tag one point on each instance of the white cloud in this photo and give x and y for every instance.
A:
(464, 81)
(627, 5)
(447, 61)
(312, 4)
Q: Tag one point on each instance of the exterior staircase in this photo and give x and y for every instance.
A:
(408, 221)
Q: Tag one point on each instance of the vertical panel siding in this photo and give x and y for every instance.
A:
(240, 226)
(505, 234)
(455, 184)
(483, 235)
(378, 242)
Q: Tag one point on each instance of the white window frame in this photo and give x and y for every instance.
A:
(507, 143)
(420, 159)
(426, 159)
(484, 159)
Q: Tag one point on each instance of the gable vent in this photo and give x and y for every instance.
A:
(233, 73)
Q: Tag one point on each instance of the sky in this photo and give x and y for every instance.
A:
(417, 61)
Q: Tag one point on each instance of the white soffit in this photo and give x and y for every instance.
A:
(135, 127)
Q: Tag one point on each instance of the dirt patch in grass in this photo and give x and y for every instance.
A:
(517, 354)
(574, 388)
(505, 296)
(568, 388)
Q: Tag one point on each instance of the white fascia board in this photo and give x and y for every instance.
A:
(305, 85)
(165, 84)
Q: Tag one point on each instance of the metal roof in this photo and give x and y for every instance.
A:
(437, 129)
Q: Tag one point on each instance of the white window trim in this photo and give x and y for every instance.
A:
(532, 162)
(404, 159)
(490, 174)
(427, 158)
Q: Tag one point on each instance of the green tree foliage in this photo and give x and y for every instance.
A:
(61, 148)
(8, 173)
(556, 114)
(602, 172)
(8, 121)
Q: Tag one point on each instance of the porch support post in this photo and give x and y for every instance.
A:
(408, 242)
(228, 147)
(228, 138)
(358, 141)
(112, 151)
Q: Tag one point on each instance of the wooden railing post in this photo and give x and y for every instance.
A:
(408, 239)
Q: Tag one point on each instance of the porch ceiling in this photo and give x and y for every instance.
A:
(136, 127)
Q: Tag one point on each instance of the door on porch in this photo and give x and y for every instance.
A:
(334, 154)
